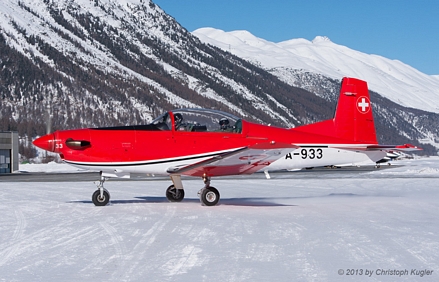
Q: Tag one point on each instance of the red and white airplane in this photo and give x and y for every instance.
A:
(207, 143)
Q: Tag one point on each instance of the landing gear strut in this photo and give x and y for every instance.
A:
(101, 197)
(209, 196)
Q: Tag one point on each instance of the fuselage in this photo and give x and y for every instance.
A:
(119, 151)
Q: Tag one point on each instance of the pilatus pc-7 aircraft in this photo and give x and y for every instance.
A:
(205, 143)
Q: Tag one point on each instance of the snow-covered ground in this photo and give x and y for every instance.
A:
(382, 223)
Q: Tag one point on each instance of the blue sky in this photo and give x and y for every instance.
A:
(397, 29)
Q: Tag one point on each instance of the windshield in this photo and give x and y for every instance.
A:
(199, 120)
(163, 122)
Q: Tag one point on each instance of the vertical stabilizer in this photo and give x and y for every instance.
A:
(353, 120)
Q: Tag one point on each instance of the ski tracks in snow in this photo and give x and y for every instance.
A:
(138, 260)
(9, 250)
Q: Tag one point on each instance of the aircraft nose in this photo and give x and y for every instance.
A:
(46, 142)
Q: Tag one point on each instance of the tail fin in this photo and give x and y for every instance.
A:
(353, 118)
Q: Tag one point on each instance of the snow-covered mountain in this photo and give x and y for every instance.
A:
(392, 79)
(126, 61)
(111, 62)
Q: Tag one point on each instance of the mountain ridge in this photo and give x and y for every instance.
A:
(393, 79)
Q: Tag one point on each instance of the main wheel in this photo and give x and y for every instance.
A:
(98, 200)
(209, 196)
(174, 195)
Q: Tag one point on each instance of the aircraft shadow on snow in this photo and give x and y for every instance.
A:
(249, 202)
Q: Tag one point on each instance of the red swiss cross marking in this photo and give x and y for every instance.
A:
(363, 104)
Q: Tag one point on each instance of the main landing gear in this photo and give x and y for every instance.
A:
(209, 196)
(174, 195)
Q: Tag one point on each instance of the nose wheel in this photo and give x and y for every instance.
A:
(99, 200)
(101, 197)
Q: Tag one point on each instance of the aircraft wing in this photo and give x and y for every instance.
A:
(246, 160)
(378, 147)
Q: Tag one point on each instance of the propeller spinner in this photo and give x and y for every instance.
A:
(46, 142)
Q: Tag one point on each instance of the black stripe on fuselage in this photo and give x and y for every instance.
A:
(146, 127)
(143, 163)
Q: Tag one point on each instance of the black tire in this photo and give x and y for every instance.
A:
(174, 195)
(98, 201)
(209, 196)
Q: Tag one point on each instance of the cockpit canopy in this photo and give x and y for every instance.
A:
(198, 120)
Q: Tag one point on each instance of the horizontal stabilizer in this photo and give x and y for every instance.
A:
(378, 147)
(403, 148)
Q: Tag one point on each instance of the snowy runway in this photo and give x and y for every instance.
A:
(381, 223)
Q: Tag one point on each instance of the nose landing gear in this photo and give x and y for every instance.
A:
(101, 197)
